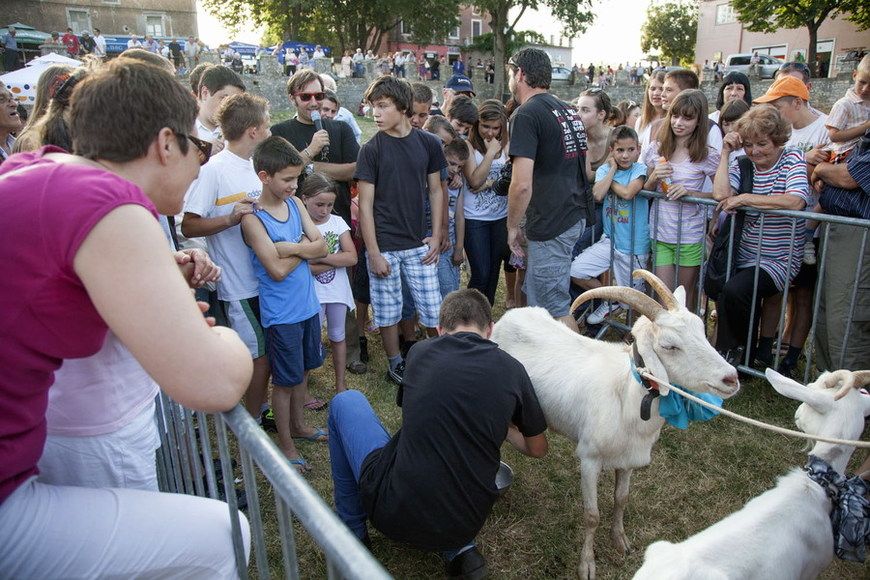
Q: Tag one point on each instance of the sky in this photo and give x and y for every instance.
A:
(614, 37)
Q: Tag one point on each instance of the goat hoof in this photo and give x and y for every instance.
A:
(620, 542)
(586, 570)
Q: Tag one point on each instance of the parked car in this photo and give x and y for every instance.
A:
(561, 73)
(740, 63)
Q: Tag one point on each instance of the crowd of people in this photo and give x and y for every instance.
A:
(284, 230)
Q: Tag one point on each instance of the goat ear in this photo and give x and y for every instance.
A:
(680, 295)
(651, 360)
(818, 400)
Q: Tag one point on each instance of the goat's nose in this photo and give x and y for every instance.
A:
(731, 379)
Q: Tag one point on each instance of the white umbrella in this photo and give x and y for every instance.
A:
(22, 83)
(52, 58)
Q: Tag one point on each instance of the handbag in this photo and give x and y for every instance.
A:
(719, 269)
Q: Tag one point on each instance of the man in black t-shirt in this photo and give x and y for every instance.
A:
(548, 151)
(433, 484)
(332, 150)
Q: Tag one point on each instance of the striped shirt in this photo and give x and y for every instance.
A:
(848, 112)
(782, 242)
(852, 202)
(675, 222)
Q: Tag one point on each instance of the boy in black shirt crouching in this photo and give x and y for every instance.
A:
(433, 484)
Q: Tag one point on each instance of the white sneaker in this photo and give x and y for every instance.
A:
(599, 314)
(809, 254)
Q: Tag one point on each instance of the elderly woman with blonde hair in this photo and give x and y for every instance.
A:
(779, 183)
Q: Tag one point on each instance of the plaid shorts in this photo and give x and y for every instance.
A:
(422, 280)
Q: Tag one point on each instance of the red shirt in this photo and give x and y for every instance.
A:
(71, 42)
(46, 212)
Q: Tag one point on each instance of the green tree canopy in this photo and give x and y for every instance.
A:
(575, 16)
(771, 15)
(670, 30)
(486, 42)
(342, 24)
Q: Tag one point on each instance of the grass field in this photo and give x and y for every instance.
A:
(535, 530)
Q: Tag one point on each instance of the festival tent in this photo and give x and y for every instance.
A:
(243, 48)
(27, 34)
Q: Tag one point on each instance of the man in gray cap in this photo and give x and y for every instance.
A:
(456, 85)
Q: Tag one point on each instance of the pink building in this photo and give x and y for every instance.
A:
(721, 34)
(472, 23)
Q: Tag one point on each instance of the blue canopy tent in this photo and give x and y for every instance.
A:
(299, 46)
(118, 44)
(244, 49)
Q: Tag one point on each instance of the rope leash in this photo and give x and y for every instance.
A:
(754, 422)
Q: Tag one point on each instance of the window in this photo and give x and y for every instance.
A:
(778, 51)
(155, 24)
(78, 20)
(476, 27)
(475, 10)
(455, 32)
(725, 14)
(404, 29)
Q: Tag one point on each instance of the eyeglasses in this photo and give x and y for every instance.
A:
(203, 148)
(632, 104)
(305, 97)
(594, 91)
(512, 63)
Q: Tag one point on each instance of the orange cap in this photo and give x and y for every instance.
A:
(785, 86)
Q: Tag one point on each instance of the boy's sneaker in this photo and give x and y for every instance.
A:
(267, 421)
(397, 373)
(809, 254)
(603, 310)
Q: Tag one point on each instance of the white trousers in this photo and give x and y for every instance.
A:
(49, 531)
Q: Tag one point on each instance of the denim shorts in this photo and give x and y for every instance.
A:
(548, 271)
(294, 349)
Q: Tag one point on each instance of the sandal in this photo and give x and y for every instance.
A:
(301, 465)
(315, 404)
(319, 436)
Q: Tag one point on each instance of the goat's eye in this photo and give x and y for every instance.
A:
(670, 347)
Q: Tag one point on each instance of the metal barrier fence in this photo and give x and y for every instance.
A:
(185, 465)
(703, 306)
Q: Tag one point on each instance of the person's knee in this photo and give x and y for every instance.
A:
(344, 402)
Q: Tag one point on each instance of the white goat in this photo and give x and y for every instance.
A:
(785, 533)
(589, 395)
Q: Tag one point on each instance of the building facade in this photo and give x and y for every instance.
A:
(160, 18)
(472, 23)
(721, 34)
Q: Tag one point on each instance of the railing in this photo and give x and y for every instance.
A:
(185, 465)
(704, 306)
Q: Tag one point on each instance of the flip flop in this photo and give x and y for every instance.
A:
(319, 436)
(301, 465)
(315, 405)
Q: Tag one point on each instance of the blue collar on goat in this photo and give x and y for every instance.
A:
(850, 513)
(673, 407)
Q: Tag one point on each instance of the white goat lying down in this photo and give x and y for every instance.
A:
(588, 394)
(785, 533)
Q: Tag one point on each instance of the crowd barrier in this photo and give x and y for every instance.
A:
(186, 465)
(705, 307)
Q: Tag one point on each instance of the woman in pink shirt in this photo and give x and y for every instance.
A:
(84, 253)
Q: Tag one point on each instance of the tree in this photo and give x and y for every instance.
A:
(771, 15)
(671, 29)
(342, 24)
(486, 42)
(575, 17)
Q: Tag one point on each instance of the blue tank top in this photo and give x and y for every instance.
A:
(292, 299)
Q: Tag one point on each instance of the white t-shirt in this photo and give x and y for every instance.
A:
(225, 175)
(333, 285)
(714, 116)
(813, 135)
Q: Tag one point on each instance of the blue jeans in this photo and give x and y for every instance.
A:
(448, 273)
(354, 432)
(486, 247)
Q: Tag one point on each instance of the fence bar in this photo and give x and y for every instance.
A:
(288, 540)
(232, 502)
(254, 514)
(852, 301)
(207, 462)
(817, 300)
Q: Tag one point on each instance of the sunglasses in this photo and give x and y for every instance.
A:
(305, 97)
(203, 148)
(794, 66)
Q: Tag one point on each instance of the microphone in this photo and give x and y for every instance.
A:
(318, 125)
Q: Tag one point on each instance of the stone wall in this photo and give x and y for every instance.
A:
(271, 83)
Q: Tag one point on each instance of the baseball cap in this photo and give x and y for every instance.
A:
(460, 84)
(786, 86)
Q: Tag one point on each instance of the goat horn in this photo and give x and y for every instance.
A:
(637, 300)
(663, 291)
(856, 380)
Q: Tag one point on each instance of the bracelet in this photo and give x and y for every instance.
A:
(307, 154)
